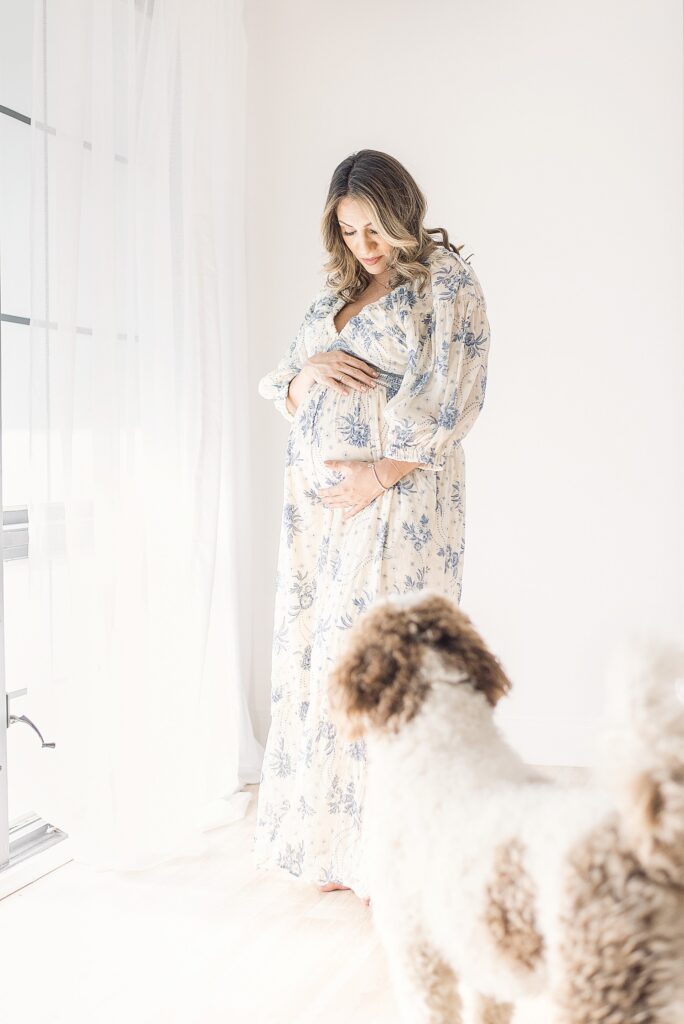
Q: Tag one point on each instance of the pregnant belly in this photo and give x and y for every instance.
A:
(329, 425)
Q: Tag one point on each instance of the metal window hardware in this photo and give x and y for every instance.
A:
(11, 719)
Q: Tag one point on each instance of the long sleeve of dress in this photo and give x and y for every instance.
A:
(275, 384)
(443, 388)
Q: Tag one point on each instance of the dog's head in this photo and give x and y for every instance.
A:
(377, 682)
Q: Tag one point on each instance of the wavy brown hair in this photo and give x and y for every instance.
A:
(396, 205)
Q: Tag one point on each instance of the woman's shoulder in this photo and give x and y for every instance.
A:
(443, 260)
(320, 304)
(451, 274)
(325, 296)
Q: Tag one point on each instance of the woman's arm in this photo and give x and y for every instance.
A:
(442, 391)
(392, 470)
(299, 385)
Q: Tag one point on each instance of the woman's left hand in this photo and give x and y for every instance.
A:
(357, 490)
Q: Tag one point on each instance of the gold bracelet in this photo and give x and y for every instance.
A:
(372, 466)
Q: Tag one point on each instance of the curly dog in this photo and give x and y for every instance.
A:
(490, 883)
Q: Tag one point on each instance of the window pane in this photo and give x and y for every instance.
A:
(15, 413)
(15, 181)
(16, 27)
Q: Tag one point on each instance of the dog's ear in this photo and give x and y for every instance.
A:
(377, 680)
(453, 636)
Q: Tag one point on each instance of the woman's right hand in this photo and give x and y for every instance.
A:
(336, 369)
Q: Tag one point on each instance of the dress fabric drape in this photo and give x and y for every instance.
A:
(431, 346)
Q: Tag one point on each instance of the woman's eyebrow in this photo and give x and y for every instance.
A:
(367, 225)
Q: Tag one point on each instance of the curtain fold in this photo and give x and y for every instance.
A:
(139, 487)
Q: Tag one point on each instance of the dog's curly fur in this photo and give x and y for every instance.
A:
(490, 883)
(380, 667)
(510, 913)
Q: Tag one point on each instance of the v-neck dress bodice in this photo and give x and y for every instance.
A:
(430, 345)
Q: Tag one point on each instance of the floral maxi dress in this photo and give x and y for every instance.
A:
(430, 345)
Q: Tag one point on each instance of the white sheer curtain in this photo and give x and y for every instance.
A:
(139, 488)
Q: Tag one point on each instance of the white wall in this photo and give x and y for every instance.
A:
(547, 136)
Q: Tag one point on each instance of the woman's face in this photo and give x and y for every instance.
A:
(361, 236)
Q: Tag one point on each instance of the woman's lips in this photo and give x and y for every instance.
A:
(374, 260)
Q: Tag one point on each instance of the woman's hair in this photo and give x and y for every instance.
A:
(396, 206)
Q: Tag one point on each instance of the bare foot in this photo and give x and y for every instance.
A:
(331, 886)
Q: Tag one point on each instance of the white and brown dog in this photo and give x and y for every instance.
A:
(490, 883)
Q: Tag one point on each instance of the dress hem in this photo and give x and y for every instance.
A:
(305, 878)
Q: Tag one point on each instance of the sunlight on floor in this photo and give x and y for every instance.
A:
(195, 942)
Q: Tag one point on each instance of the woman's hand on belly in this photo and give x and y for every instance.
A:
(336, 368)
(360, 484)
(358, 488)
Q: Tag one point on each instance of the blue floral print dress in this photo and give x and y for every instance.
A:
(430, 346)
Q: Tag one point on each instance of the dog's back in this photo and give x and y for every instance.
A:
(522, 884)
(474, 849)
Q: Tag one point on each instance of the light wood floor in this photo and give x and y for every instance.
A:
(197, 942)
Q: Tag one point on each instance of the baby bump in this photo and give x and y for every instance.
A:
(330, 425)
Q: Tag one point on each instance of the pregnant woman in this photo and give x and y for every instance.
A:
(382, 382)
